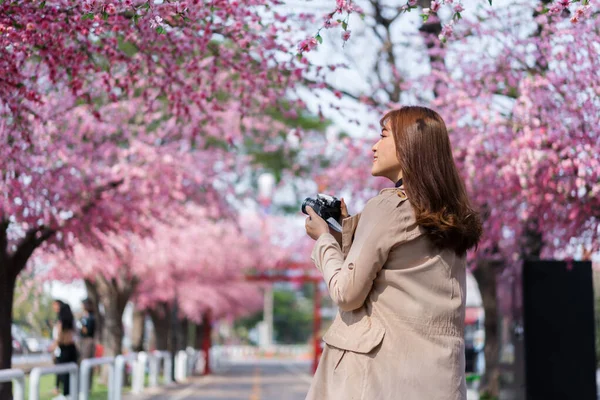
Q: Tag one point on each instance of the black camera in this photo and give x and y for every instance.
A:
(327, 207)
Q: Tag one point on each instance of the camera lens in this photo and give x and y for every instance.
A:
(308, 202)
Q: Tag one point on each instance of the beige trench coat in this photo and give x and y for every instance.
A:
(399, 331)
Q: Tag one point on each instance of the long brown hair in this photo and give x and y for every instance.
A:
(431, 180)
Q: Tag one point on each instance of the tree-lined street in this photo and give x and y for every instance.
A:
(157, 153)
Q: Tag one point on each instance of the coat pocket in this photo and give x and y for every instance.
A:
(357, 335)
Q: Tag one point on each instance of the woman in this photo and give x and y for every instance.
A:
(398, 272)
(65, 342)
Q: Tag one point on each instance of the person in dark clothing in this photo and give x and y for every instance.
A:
(65, 341)
(88, 331)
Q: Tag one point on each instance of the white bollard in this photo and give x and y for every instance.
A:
(139, 373)
(157, 356)
(36, 374)
(154, 368)
(86, 368)
(181, 363)
(18, 378)
(120, 362)
(191, 361)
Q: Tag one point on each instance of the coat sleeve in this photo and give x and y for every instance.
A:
(350, 280)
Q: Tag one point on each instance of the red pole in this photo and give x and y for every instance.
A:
(316, 326)
(206, 341)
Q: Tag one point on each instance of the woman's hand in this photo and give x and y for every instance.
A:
(315, 225)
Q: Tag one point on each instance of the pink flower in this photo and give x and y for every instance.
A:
(307, 44)
(156, 22)
(341, 4)
(412, 3)
(435, 6)
(447, 31)
(337, 94)
(110, 9)
(555, 9)
(346, 35)
(30, 26)
(458, 8)
(574, 19)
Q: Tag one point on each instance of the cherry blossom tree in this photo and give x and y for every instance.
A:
(173, 50)
(194, 263)
(518, 90)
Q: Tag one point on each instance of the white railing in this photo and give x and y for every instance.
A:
(139, 373)
(36, 374)
(18, 378)
(181, 366)
(187, 362)
(157, 356)
(120, 362)
(86, 370)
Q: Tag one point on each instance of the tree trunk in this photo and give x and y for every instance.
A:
(198, 335)
(113, 328)
(162, 325)
(11, 265)
(7, 290)
(185, 334)
(137, 330)
(113, 296)
(486, 275)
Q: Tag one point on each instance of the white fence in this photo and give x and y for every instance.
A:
(18, 378)
(142, 364)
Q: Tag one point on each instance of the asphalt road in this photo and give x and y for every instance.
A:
(257, 380)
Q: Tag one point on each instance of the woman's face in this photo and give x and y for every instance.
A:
(385, 159)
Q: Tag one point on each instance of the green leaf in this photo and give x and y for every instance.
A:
(344, 25)
(104, 15)
(89, 16)
(43, 4)
(457, 15)
(425, 17)
(299, 56)
(160, 30)
(136, 17)
(146, 5)
(362, 16)
(319, 38)
(490, 1)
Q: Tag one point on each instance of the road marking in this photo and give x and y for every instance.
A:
(256, 386)
(297, 371)
(193, 388)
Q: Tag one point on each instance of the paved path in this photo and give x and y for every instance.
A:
(258, 380)
(251, 380)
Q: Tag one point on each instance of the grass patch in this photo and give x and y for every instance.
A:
(48, 382)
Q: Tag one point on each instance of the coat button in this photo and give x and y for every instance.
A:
(351, 266)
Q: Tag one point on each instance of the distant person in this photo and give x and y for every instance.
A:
(65, 342)
(87, 344)
(398, 273)
(55, 350)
